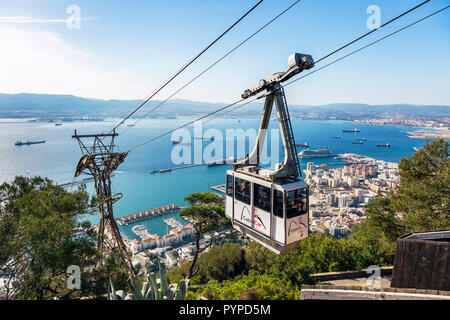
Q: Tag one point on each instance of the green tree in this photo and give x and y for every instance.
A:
(421, 201)
(38, 240)
(423, 197)
(208, 214)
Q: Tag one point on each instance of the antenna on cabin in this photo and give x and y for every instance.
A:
(100, 158)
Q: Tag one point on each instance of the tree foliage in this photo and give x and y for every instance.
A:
(208, 214)
(219, 263)
(420, 203)
(38, 241)
(254, 286)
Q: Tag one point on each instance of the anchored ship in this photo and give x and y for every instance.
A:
(383, 145)
(319, 153)
(181, 142)
(354, 130)
(204, 138)
(27, 143)
(303, 145)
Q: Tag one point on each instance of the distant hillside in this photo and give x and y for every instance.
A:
(54, 103)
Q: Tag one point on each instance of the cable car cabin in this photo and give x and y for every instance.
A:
(271, 206)
(274, 215)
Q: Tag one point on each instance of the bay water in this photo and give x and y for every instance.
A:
(58, 157)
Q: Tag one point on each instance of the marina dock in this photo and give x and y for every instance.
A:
(212, 163)
(148, 214)
(171, 222)
(219, 188)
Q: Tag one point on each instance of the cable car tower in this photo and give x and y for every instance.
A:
(271, 206)
(100, 159)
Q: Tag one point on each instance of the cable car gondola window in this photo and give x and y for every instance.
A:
(261, 198)
(242, 190)
(278, 203)
(296, 203)
(229, 185)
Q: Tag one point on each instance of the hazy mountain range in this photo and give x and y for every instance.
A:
(28, 104)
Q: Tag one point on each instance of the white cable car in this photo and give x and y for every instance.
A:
(271, 206)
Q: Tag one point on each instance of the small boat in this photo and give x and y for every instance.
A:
(363, 139)
(383, 145)
(354, 130)
(336, 137)
(57, 124)
(130, 125)
(27, 143)
(357, 142)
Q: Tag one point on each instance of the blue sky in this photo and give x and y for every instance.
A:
(125, 49)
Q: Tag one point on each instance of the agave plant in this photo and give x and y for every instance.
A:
(150, 289)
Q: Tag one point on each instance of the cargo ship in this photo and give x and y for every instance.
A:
(354, 130)
(319, 153)
(27, 143)
(204, 138)
(180, 142)
(302, 145)
(383, 145)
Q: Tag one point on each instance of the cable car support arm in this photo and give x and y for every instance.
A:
(289, 168)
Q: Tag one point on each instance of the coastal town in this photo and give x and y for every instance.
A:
(442, 123)
(339, 196)
(431, 128)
